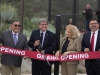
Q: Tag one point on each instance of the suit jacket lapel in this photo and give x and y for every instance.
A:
(88, 38)
(38, 35)
(62, 43)
(70, 42)
(64, 40)
(11, 37)
(98, 37)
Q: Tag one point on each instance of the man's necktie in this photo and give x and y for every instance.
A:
(92, 43)
(41, 37)
(15, 39)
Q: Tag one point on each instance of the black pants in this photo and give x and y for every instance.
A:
(93, 68)
(40, 68)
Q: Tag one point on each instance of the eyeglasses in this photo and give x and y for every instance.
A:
(16, 25)
(93, 23)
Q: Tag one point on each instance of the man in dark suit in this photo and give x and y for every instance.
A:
(88, 15)
(14, 39)
(91, 42)
(98, 15)
(42, 40)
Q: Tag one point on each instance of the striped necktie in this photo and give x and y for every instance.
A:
(15, 39)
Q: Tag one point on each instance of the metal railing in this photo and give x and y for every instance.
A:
(79, 21)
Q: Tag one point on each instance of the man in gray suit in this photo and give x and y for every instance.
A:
(14, 39)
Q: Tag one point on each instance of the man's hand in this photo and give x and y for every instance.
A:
(99, 49)
(37, 42)
(42, 51)
(37, 50)
(86, 50)
(25, 57)
(94, 13)
(84, 11)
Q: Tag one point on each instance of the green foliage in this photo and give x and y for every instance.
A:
(39, 8)
(30, 25)
(79, 71)
(27, 24)
(4, 27)
(35, 21)
(8, 12)
(62, 32)
(27, 33)
(34, 9)
(51, 27)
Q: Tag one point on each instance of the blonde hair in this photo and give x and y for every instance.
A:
(74, 30)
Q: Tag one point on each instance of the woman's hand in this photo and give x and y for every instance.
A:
(25, 57)
(57, 54)
(66, 53)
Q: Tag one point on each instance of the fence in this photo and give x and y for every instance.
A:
(79, 21)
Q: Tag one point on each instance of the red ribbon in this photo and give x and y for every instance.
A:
(49, 57)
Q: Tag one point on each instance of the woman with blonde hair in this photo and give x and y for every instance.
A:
(70, 44)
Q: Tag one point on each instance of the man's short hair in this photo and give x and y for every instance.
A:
(15, 21)
(93, 20)
(43, 20)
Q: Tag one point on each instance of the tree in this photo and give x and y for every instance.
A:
(8, 12)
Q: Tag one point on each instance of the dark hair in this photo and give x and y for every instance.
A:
(15, 21)
(93, 20)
